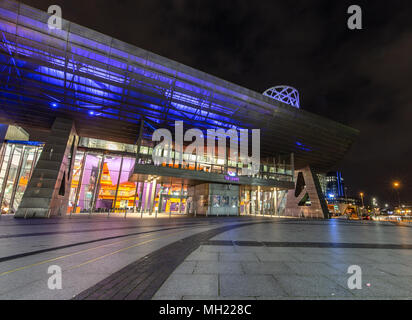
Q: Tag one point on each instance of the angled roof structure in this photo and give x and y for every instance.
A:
(107, 86)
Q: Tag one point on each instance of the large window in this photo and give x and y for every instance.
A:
(278, 168)
(126, 189)
(262, 201)
(9, 180)
(17, 164)
(77, 175)
(101, 183)
(91, 172)
(27, 166)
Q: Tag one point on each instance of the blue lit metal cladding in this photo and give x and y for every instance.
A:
(302, 146)
(284, 94)
(109, 86)
(27, 143)
(96, 79)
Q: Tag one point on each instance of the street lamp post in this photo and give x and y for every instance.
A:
(396, 186)
(361, 195)
(374, 205)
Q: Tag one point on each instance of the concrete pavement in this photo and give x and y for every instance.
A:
(86, 250)
(204, 258)
(297, 260)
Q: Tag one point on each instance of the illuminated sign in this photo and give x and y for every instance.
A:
(231, 173)
(230, 178)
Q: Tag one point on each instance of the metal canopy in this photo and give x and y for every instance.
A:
(108, 86)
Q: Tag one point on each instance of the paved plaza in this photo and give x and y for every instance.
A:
(297, 260)
(204, 258)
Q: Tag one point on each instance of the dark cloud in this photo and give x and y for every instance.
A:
(360, 78)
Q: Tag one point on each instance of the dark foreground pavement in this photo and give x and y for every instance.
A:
(204, 258)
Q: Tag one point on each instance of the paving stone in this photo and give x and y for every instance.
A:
(351, 258)
(287, 250)
(276, 257)
(212, 267)
(186, 267)
(158, 297)
(311, 286)
(378, 286)
(397, 269)
(379, 257)
(207, 248)
(273, 267)
(187, 285)
(242, 249)
(403, 282)
(249, 286)
(202, 256)
(311, 268)
(246, 256)
(318, 257)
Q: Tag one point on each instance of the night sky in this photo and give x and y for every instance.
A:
(361, 78)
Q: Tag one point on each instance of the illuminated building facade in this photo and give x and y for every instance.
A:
(90, 104)
(335, 187)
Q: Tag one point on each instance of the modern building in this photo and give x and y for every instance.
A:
(336, 193)
(89, 105)
(335, 186)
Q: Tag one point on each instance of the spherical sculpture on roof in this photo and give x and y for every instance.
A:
(285, 94)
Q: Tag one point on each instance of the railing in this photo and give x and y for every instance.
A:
(216, 168)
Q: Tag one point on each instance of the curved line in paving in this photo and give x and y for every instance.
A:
(302, 244)
(141, 279)
(176, 223)
(30, 253)
(34, 234)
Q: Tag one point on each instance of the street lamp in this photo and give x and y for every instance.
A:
(396, 186)
(363, 207)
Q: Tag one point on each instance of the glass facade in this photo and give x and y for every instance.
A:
(277, 168)
(256, 200)
(101, 181)
(17, 163)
